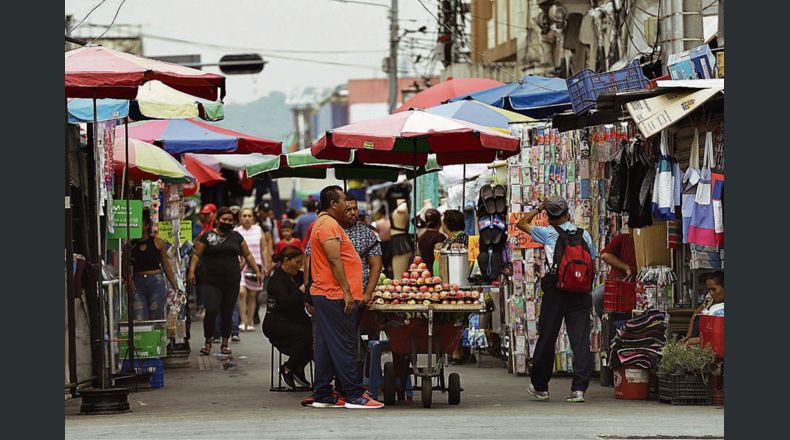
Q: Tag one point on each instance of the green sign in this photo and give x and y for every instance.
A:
(120, 219)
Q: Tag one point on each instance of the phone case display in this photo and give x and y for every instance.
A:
(573, 165)
(654, 288)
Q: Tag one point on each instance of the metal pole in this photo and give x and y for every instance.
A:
(69, 250)
(96, 264)
(393, 58)
(414, 191)
(463, 190)
(127, 266)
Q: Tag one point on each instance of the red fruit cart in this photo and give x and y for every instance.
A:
(432, 329)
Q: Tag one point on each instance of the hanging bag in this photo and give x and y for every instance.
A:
(702, 229)
(690, 180)
(664, 184)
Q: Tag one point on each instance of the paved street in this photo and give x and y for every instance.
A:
(232, 401)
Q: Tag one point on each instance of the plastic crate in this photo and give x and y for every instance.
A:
(683, 389)
(585, 86)
(154, 366)
(619, 296)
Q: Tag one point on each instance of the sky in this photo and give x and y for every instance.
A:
(334, 31)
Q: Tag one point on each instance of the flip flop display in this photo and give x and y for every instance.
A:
(500, 199)
(487, 197)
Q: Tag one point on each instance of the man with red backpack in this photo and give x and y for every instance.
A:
(566, 296)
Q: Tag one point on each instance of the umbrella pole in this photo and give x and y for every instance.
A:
(414, 190)
(70, 306)
(463, 190)
(126, 265)
(97, 263)
(345, 189)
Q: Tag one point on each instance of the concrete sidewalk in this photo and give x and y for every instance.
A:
(231, 400)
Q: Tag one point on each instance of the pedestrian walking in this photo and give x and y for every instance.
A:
(150, 265)
(305, 220)
(286, 324)
(219, 251)
(250, 286)
(288, 239)
(569, 253)
(336, 272)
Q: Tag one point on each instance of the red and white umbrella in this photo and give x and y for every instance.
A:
(408, 137)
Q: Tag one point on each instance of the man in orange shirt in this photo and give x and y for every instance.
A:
(336, 290)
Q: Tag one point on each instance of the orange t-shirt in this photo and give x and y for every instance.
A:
(324, 283)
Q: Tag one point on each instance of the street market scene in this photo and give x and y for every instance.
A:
(474, 218)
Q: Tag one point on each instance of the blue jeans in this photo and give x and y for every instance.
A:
(234, 330)
(150, 294)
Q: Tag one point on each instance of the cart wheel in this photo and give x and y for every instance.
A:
(454, 389)
(389, 383)
(427, 392)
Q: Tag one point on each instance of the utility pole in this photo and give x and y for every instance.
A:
(448, 19)
(393, 58)
(681, 26)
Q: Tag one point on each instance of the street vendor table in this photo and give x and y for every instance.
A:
(412, 330)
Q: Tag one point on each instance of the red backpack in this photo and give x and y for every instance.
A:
(573, 263)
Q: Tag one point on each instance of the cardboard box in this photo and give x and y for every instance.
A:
(150, 340)
(650, 244)
(720, 63)
(696, 63)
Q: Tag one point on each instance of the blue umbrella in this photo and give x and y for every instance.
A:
(534, 96)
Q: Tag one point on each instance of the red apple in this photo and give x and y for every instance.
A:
(417, 259)
(453, 286)
(411, 301)
(445, 286)
(413, 267)
(423, 289)
(415, 275)
(426, 274)
(475, 302)
(445, 302)
(431, 289)
(443, 295)
(422, 266)
(420, 281)
(396, 301)
(435, 297)
(427, 302)
(453, 302)
(396, 283)
(412, 295)
(475, 294)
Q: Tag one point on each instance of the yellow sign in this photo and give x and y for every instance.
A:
(368, 145)
(165, 232)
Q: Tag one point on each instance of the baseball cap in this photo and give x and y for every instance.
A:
(208, 208)
(556, 206)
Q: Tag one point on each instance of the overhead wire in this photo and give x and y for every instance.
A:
(85, 17)
(111, 23)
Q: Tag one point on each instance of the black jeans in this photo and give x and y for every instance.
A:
(575, 309)
(220, 300)
(291, 338)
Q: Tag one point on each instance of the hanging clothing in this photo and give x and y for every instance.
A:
(690, 180)
(702, 229)
(666, 185)
(639, 191)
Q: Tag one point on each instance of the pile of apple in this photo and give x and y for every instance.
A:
(419, 286)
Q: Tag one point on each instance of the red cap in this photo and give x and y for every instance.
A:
(208, 208)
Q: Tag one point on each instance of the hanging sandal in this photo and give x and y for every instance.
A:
(224, 349)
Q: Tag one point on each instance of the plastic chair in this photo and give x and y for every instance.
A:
(374, 379)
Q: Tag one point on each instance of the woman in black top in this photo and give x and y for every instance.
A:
(286, 324)
(150, 265)
(219, 250)
(427, 242)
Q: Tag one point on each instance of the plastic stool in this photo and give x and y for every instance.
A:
(274, 366)
(375, 379)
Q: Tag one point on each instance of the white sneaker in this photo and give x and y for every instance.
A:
(241, 328)
(250, 328)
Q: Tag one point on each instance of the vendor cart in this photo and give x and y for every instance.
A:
(431, 329)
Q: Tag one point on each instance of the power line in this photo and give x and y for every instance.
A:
(112, 22)
(222, 46)
(85, 17)
(361, 3)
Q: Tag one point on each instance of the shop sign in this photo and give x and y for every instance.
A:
(121, 219)
(519, 238)
(655, 114)
(165, 232)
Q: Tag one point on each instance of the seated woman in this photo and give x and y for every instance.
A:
(714, 302)
(286, 324)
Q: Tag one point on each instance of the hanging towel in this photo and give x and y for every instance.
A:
(702, 229)
(690, 180)
(666, 186)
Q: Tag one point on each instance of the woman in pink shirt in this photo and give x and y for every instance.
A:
(250, 286)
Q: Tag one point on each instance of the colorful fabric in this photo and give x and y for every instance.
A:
(667, 184)
(702, 227)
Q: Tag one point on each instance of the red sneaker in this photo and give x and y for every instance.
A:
(363, 403)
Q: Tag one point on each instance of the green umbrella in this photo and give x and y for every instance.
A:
(303, 164)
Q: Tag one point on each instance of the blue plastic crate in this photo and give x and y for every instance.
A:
(154, 366)
(585, 86)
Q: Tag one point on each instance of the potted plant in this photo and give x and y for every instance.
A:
(684, 372)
